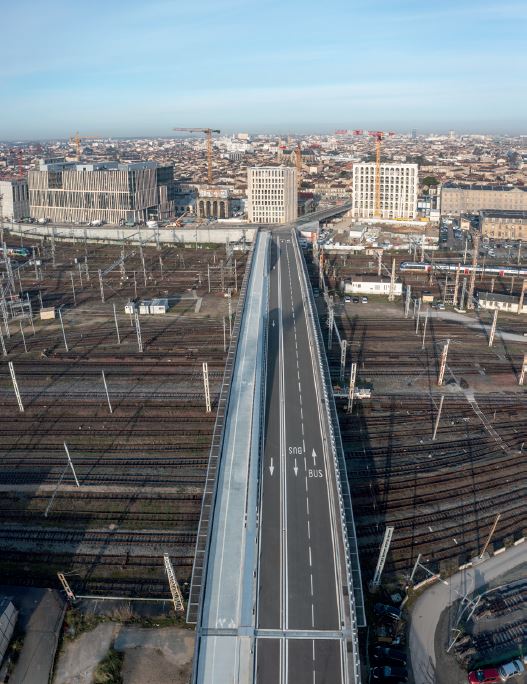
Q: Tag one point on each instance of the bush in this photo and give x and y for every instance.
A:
(109, 670)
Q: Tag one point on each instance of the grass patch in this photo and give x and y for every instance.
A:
(109, 670)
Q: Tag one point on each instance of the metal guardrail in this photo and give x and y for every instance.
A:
(354, 577)
(199, 568)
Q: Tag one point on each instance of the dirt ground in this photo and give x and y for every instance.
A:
(156, 656)
(152, 656)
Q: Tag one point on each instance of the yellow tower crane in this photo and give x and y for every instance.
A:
(76, 140)
(208, 132)
(379, 137)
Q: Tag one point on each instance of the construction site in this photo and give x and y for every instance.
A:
(108, 409)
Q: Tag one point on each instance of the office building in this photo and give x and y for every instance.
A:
(503, 225)
(69, 192)
(272, 194)
(14, 199)
(460, 198)
(398, 190)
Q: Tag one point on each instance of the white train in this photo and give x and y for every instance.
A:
(464, 269)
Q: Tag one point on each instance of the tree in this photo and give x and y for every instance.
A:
(431, 181)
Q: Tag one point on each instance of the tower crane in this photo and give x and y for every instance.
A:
(379, 137)
(76, 140)
(208, 132)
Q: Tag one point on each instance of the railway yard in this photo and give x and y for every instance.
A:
(441, 496)
(140, 454)
(140, 451)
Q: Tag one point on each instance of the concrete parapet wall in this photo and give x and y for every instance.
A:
(115, 233)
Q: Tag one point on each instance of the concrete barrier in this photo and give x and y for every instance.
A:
(177, 236)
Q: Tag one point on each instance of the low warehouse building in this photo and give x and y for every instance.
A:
(374, 287)
(502, 302)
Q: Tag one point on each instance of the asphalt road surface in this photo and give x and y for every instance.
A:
(298, 579)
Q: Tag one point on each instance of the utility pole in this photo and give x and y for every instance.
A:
(418, 314)
(343, 349)
(73, 289)
(408, 300)
(53, 246)
(63, 331)
(379, 263)
(493, 328)
(116, 325)
(438, 417)
(351, 393)
(491, 533)
(466, 250)
(456, 285)
(423, 248)
(23, 337)
(424, 328)
(462, 302)
(230, 316)
(173, 584)
(86, 268)
(15, 386)
(224, 336)
(107, 393)
(4, 350)
(523, 370)
(522, 295)
(206, 386)
(208, 275)
(331, 321)
(475, 250)
(70, 463)
(442, 367)
(101, 285)
(391, 296)
(138, 331)
(80, 273)
(383, 553)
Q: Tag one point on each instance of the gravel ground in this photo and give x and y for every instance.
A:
(152, 656)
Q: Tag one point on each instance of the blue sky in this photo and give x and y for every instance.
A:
(141, 67)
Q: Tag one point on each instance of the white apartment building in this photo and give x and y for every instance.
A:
(398, 190)
(14, 199)
(272, 194)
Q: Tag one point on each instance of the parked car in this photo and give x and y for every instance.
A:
(390, 674)
(487, 675)
(364, 300)
(383, 610)
(391, 655)
(347, 300)
(509, 670)
(356, 300)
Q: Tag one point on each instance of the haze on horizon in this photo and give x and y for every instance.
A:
(139, 69)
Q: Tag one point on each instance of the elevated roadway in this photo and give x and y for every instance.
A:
(279, 601)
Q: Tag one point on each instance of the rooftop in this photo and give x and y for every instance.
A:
(478, 186)
(503, 213)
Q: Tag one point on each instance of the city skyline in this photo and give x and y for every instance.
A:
(130, 69)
